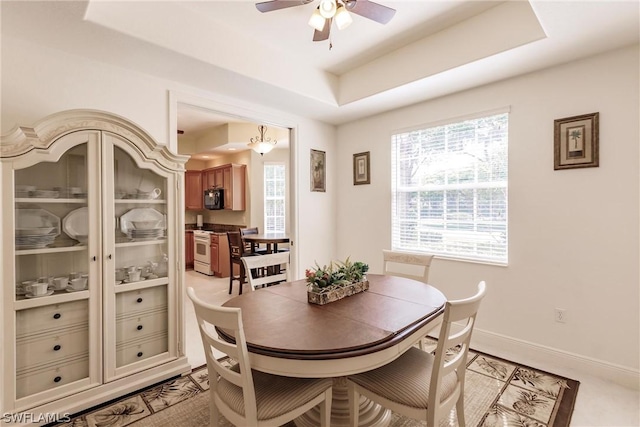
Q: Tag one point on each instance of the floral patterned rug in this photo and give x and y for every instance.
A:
(498, 392)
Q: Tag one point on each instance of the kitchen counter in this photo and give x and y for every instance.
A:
(215, 228)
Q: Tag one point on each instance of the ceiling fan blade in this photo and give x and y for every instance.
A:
(371, 10)
(319, 36)
(268, 6)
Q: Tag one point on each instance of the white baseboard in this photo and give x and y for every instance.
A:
(552, 360)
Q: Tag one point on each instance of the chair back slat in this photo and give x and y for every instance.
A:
(407, 264)
(268, 262)
(250, 230)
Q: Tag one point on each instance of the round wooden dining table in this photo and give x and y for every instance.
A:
(286, 335)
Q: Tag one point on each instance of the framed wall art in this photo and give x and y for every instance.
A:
(361, 171)
(318, 170)
(576, 142)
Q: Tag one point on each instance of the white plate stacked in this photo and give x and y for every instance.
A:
(35, 238)
(152, 233)
(34, 242)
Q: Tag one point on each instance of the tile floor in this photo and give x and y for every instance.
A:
(599, 403)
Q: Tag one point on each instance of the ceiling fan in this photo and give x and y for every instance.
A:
(330, 10)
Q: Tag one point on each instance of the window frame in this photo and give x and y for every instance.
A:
(481, 191)
(283, 198)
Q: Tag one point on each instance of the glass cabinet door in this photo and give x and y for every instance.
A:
(54, 270)
(140, 265)
(52, 226)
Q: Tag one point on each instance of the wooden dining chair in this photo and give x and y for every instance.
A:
(421, 385)
(244, 396)
(272, 264)
(236, 252)
(407, 264)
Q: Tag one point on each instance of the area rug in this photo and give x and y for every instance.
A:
(498, 392)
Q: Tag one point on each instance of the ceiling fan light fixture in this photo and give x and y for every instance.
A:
(261, 144)
(327, 8)
(316, 20)
(343, 18)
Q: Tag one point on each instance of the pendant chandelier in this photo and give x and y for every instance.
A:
(261, 143)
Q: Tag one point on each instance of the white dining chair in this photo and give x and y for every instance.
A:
(421, 385)
(246, 397)
(407, 264)
(275, 267)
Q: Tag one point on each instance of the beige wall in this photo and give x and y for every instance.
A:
(573, 234)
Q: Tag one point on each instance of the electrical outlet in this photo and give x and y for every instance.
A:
(561, 315)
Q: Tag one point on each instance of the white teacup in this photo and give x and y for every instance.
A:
(60, 283)
(25, 285)
(78, 284)
(37, 289)
(134, 276)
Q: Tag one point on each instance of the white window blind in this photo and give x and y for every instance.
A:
(449, 185)
(274, 198)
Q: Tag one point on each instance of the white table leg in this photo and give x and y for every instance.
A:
(371, 414)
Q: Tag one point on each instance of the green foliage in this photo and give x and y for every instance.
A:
(340, 273)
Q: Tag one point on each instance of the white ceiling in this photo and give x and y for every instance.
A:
(429, 49)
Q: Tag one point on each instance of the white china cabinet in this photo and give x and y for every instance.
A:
(91, 294)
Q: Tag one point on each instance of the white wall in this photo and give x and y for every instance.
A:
(573, 234)
(38, 81)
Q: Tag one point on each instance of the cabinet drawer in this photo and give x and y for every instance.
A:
(51, 317)
(131, 353)
(51, 348)
(215, 238)
(140, 300)
(134, 328)
(35, 381)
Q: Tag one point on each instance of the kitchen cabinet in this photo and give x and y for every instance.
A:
(232, 179)
(188, 249)
(88, 195)
(193, 192)
(215, 256)
(220, 254)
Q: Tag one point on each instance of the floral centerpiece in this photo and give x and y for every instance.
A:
(336, 281)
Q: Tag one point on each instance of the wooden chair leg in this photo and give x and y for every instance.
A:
(242, 278)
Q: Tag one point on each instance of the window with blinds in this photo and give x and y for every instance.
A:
(274, 198)
(449, 185)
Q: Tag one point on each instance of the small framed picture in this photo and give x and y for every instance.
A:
(576, 142)
(361, 173)
(318, 170)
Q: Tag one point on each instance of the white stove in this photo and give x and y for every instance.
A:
(202, 252)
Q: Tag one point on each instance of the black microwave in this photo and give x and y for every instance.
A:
(214, 199)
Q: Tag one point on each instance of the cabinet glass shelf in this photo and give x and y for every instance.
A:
(46, 200)
(139, 202)
(51, 250)
(141, 243)
(56, 298)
